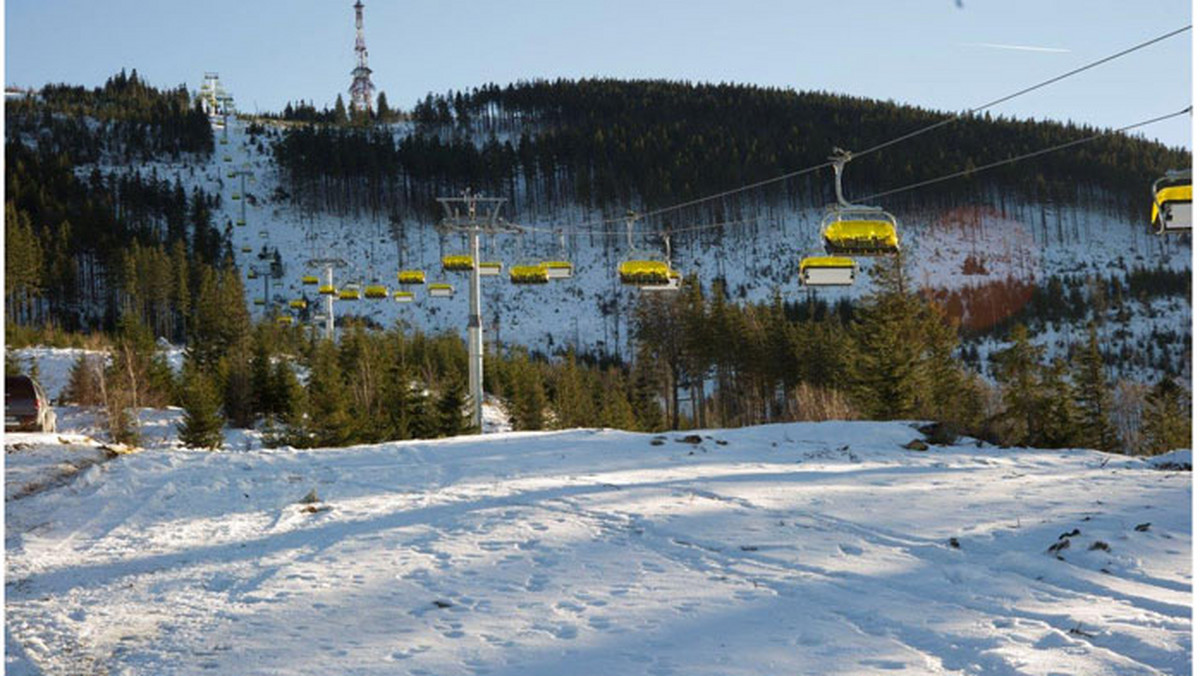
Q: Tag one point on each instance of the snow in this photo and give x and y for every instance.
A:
(757, 259)
(806, 548)
(54, 365)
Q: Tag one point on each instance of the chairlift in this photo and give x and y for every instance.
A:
(403, 296)
(252, 274)
(246, 249)
(441, 290)
(855, 229)
(1171, 210)
(490, 268)
(560, 269)
(298, 304)
(236, 196)
(458, 263)
(310, 280)
(349, 292)
(241, 222)
(642, 268)
(828, 271)
(410, 277)
(529, 273)
(327, 290)
(375, 292)
(284, 320)
(259, 301)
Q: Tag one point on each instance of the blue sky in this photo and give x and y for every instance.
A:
(930, 53)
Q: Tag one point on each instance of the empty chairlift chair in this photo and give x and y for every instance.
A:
(410, 277)
(560, 269)
(375, 292)
(403, 296)
(529, 273)
(828, 271)
(441, 290)
(309, 280)
(458, 263)
(298, 304)
(859, 232)
(854, 229)
(490, 268)
(349, 292)
(1172, 207)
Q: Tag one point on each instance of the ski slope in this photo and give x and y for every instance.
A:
(757, 258)
(807, 548)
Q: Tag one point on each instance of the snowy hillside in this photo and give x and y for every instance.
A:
(818, 548)
(1026, 242)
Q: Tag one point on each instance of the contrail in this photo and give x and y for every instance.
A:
(1020, 48)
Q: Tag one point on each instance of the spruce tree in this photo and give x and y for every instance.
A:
(572, 405)
(451, 421)
(329, 420)
(339, 111)
(202, 423)
(1017, 375)
(1093, 394)
(260, 377)
(1058, 413)
(886, 374)
(616, 412)
(1166, 418)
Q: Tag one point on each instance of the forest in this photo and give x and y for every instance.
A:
(617, 144)
(80, 245)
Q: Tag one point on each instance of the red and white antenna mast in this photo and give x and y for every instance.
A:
(362, 90)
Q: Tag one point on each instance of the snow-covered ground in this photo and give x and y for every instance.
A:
(809, 548)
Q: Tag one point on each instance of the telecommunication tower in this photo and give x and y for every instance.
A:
(362, 90)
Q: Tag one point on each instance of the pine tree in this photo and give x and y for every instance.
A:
(572, 405)
(84, 385)
(286, 394)
(203, 424)
(616, 412)
(382, 111)
(1166, 419)
(644, 400)
(528, 396)
(1093, 394)
(451, 421)
(329, 419)
(1017, 372)
(1058, 414)
(886, 374)
(339, 111)
(260, 378)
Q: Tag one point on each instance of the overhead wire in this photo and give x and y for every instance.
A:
(958, 174)
(585, 227)
(1026, 156)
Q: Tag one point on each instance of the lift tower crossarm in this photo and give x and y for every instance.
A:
(328, 265)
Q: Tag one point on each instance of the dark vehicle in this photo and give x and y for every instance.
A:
(26, 408)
